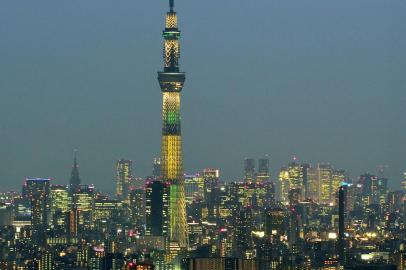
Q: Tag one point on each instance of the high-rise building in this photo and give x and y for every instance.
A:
(157, 208)
(263, 170)
(38, 192)
(123, 178)
(313, 184)
(171, 81)
(325, 179)
(83, 203)
(211, 191)
(194, 187)
(157, 168)
(291, 177)
(249, 170)
(74, 182)
(104, 209)
(337, 178)
(60, 203)
(342, 193)
(274, 222)
(404, 183)
(137, 206)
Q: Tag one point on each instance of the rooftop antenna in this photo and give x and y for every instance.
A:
(171, 5)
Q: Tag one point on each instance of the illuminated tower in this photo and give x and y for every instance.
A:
(171, 82)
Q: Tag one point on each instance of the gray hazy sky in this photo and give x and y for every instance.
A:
(323, 80)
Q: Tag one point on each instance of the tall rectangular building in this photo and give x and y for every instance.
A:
(123, 178)
(157, 208)
(38, 192)
(60, 203)
(249, 170)
(263, 174)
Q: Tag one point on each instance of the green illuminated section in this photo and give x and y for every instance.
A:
(172, 118)
(171, 34)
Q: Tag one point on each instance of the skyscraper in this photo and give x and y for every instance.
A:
(156, 208)
(38, 191)
(404, 183)
(157, 168)
(249, 169)
(171, 81)
(342, 192)
(74, 182)
(123, 178)
(263, 169)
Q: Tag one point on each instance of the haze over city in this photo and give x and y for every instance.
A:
(320, 80)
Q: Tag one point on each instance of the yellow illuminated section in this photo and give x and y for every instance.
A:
(172, 156)
(171, 52)
(171, 20)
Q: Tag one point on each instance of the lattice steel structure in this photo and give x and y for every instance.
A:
(171, 82)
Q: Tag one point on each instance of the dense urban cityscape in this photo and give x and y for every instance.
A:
(304, 216)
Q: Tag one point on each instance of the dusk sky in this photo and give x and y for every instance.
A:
(321, 80)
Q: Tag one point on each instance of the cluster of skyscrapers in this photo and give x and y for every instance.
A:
(303, 217)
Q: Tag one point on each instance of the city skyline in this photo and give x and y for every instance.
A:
(204, 206)
(362, 131)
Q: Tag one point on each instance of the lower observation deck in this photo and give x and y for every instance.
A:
(171, 81)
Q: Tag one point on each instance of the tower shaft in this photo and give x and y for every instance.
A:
(171, 83)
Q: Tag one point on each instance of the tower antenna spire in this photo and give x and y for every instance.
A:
(171, 5)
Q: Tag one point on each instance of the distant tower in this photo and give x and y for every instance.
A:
(404, 183)
(74, 183)
(341, 227)
(249, 170)
(123, 178)
(157, 168)
(171, 81)
(38, 193)
(263, 169)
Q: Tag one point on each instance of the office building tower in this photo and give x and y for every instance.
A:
(305, 167)
(291, 177)
(325, 180)
(104, 209)
(47, 261)
(404, 183)
(157, 168)
(83, 203)
(74, 182)
(243, 229)
(249, 170)
(6, 214)
(342, 193)
(194, 187)
(382, 190)
(38, 192)
(157, 208)
(123, 178)
(337, 178)
(369, 188)
(211, 191)
(137, 206)
(274, 222)
(263, 174)
(171, 81)
(313, 184)
(60, 203)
